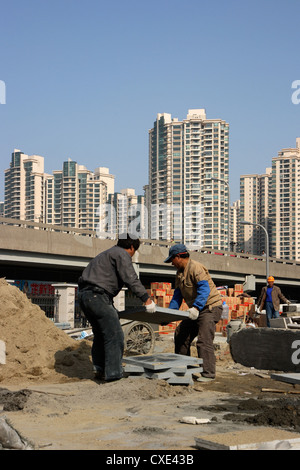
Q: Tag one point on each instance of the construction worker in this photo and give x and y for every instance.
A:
(99, 283)
(269, 299)
(194, 285)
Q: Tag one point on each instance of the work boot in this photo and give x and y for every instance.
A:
(98, 373)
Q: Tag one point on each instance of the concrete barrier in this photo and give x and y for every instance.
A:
(267, 348)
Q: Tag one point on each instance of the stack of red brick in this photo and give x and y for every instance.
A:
(239, 306)
(162, 293)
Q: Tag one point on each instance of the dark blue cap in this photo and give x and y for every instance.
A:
(176, 250)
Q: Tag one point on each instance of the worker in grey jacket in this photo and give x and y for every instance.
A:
(99, 283)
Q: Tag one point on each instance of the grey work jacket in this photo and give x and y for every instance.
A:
(111, 270)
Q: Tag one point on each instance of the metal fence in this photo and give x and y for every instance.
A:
(48, 303)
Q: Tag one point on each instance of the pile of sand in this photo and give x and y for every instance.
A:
(37, 350)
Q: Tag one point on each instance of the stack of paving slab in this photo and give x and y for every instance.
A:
(173, 368)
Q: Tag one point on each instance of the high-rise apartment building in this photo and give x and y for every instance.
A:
(273, 201)
(285, 204)
(71, 197)
(185, 202)
(254, 208)
(24, 183)
(125, 212)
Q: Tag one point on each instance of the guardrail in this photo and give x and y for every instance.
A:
(93, 234)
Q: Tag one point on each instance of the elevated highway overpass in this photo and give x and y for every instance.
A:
(44, 252)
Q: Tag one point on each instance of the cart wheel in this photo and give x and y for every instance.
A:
(138, 338)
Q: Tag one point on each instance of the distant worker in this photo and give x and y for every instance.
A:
(269, 299)
(99, 283)
(194, 285)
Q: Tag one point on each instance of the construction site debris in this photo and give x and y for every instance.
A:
(275, 390)
(10, 438)
(289, 378)
(194, 420)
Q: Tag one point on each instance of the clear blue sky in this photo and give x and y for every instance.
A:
(85, 79)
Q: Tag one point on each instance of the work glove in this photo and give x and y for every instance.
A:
(288, 302)
(193, 313)
(151, 308)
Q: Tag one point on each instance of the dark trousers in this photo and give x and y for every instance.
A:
(108, 343)
(271, 312)
(204, 329)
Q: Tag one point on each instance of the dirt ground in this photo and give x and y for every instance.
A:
(146, 414)
(49, 396)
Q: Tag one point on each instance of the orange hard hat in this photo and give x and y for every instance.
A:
(271, 278)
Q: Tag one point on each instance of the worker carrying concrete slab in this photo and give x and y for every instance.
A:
(99, 283)
(194, 285)
(270, 298)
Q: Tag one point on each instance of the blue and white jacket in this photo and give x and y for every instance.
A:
(196, 287)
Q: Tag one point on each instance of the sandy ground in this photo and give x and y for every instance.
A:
(49, 395)
(144, 414)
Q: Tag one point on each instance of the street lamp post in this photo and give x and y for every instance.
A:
(244, 222)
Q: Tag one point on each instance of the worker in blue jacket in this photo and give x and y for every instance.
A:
(194, 285)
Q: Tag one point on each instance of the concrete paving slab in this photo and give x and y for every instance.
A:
(162, 315)
(291, 378)
(262, 438)
(133, 369)
(186, 380)
(162, 361)
(187, 375)
(140, 369)
(166, 374)
(174, 368)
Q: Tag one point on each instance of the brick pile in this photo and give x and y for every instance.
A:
(239, 307)
(162, 293)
